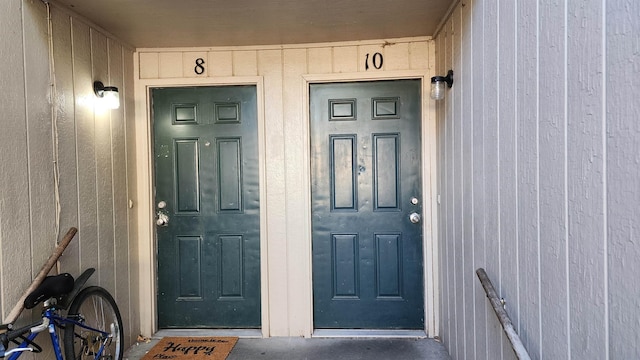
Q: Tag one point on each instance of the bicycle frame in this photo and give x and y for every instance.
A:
(53, 320)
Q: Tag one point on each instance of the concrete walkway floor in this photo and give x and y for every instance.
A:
(279, 348)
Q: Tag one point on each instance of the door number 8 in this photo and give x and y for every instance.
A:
(199, 69)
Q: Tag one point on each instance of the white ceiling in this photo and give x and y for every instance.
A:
(195, 23)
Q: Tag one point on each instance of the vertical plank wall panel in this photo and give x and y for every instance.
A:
(455, 97)
(444, 209)
(449, 198)
(479, 176)
(466, 101)
(119, 184)
(104, 179)
(432, 241)
(441, 139)
(65, 123)
(294, 64)
(622, 60)
(127, 98)
(439, 181)
(39, 145)
(269, 66)
(85, 147)
(14, 210)
(450, 189)
(552, 159)
(585, 181)
(527, 176)
(507, 164)
(40, 158)
(432, 273)
(491, 100)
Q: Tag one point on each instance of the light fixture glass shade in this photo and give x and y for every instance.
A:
(108, 95)
(437, 90)
(111, 98)
(438, 85)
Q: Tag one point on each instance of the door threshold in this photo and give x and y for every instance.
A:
(241, 333)
(365, 333)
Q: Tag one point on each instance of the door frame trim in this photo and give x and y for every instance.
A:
(146, 250)
(429, 185)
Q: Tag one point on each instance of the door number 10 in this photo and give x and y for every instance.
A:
(376, 61)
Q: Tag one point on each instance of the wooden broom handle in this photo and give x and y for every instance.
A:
(44, 271)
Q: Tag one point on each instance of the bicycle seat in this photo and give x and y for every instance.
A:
(51, 286)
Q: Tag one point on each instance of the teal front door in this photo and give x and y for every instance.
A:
(366, 205)
(207, 206)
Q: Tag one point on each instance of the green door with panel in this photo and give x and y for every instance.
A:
(207, 206)
(366, 205)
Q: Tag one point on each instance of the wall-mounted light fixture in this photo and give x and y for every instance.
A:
(108, 95)
(437, 85)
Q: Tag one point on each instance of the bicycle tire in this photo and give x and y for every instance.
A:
(95, 307)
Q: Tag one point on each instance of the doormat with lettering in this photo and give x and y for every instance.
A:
(192, 348)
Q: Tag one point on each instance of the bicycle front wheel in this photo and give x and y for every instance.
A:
(94, 308)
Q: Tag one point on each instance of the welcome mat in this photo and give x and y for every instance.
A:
(192, 348)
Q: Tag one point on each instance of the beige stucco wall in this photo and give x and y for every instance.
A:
(64, 163)
(282, 75)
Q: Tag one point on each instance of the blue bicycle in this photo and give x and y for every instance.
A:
(92, 326)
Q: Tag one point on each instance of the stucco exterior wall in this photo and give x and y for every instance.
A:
(538, 144)
(282, 74)
(64, 163)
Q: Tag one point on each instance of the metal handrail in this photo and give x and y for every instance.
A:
(503, 317)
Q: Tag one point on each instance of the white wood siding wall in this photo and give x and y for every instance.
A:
(539, 153)
(282, 70)
(49, 122)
